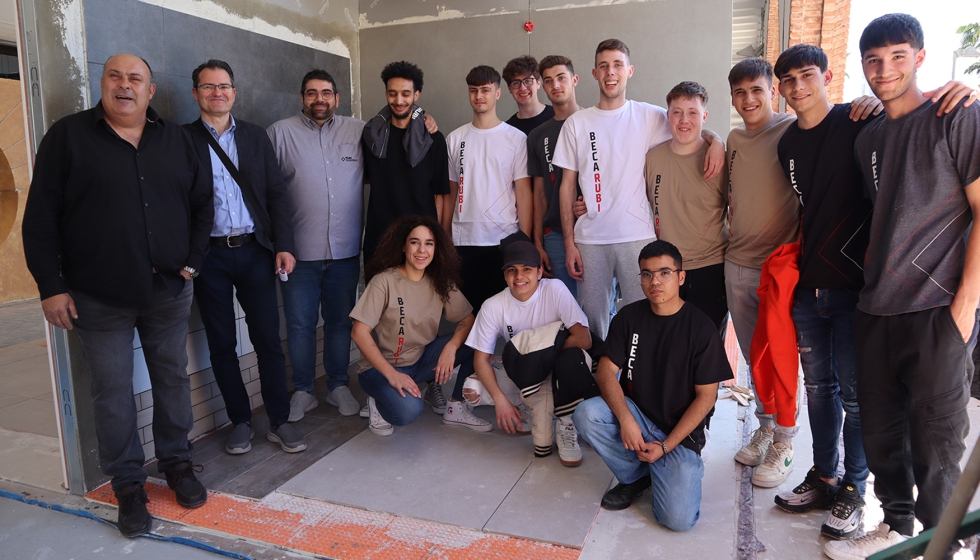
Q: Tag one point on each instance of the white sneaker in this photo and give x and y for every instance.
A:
(569, 453)
(345, 402)
(777, 466)
(365, 412)
(754, 452)
(458, 414)
(301, 403)
(378, 425)
(526, 419)
(434, 397)
(862, 547)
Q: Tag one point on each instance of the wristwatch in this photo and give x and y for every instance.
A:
(192, 271)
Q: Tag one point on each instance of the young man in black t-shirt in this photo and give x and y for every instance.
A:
(523, 80)
(671, 359)
(407, 168)
(816, 153)
(559, 80)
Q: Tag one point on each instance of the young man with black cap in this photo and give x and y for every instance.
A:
(548, 336)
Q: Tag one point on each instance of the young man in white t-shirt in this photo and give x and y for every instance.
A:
(605, 146)
(490, 188)
(531, 303)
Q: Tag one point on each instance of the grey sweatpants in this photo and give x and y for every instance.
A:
(602, 263)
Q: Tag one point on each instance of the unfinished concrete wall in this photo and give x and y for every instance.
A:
(670, 41)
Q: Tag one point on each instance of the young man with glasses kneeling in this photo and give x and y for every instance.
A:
(669, 359)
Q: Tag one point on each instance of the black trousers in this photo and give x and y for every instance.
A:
(481, 273)
(705, 288)
(913, 381)
(248, 273)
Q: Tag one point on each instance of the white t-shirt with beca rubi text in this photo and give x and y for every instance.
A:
(504, 316)
(485, 163)
(608, 150)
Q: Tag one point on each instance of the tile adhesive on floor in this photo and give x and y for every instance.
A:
(316, 527)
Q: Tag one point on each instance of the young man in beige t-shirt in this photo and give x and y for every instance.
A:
(689, 210)
(763, 213)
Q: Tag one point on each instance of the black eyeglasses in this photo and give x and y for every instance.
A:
(527, 82)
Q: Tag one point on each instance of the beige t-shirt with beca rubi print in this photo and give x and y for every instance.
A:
(404, 315)
(763, 209)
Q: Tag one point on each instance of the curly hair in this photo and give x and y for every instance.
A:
(443, 271)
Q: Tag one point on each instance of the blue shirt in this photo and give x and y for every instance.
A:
(231, 216)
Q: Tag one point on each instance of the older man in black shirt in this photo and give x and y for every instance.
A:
(116, 225)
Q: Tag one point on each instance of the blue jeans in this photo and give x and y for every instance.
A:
(675, 479)
(106, 334)
(331, 287)
(402, 411)
(554, 245)
(825, 333)
(249, 271)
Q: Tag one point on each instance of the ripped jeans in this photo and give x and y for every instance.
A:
(825, 334)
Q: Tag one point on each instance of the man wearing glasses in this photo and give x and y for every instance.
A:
(672, 359)
(319, 154)
(522, 78)
(251, 239)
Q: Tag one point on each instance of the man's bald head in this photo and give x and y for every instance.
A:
(127, 87)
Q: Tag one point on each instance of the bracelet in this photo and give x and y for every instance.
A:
(664, 447)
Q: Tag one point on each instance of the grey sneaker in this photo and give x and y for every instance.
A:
(435, 398)
(345, 402)
(301, 403)
(240, 439)
(755, 451)
(377, 424)
(287, 437)
(569, 451)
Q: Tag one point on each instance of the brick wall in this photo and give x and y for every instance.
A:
(824, 23)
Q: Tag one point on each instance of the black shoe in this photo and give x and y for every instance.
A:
(134, 519)
(189, 490)
(622, 495)
(812, 493)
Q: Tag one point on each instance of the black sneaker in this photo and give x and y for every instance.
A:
(134, 520)
(622, 495)
(811, 493)
(845, 517)
(189, 490)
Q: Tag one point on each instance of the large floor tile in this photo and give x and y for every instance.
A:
(554, 503)
(30, 416)
(7, 400)
(30, 459)
(22, 351)
(29, 377)
(426, 470)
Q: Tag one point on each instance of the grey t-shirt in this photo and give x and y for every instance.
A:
(915, 169)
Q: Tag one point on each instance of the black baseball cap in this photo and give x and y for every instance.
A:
(521, 252)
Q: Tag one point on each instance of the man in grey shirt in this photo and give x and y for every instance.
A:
(319, 154)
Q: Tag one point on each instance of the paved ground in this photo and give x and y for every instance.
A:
(21, 321)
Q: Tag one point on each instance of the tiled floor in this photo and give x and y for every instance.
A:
(21, 321)
(26, 404)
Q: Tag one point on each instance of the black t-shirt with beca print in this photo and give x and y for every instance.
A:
(663, 358)
(819, 163)
(541, 144)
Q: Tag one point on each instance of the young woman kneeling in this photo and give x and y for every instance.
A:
(412, 282)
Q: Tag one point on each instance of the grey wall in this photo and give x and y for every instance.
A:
(268, 71)
(670, 41)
